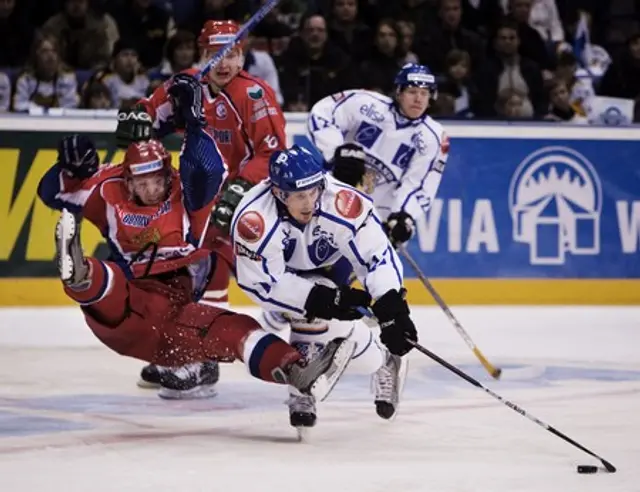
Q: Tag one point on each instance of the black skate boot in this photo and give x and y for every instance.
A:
(388, 382)
(150, 376)
(72, 267)
(190, 382)
(302, 410)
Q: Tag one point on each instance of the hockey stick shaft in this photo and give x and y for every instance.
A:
(491, 369)
(608, 466)
(250, 24)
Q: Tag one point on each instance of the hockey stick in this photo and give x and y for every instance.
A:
(608, 466)
(491, 369)
(250, 24)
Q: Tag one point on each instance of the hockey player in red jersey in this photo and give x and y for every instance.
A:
(248, 125)
(141, 302)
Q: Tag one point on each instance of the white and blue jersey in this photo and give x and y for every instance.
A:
(408, 156)
(273, 251)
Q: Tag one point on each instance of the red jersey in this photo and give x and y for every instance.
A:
(244, 117)
(132, 230)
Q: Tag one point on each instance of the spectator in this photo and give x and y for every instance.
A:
(407, 31)
(45, 82)
(458, 83)
(513, 104)
(422, 12)
(623, 77)
(532, 45)
(148, 27)
(444, 106)
(577, 81)
(544, 18)
(481, 16)
(16, 35)
(236, 10)
(384, 61)
(96, 95)
(561, 109)
(260, 64)
(347, 31)
(180, 54)
(447, 35)
(86, 39)
(312, 67)
(126, 82)
(5, 92)
(506, 69)
(272, 34)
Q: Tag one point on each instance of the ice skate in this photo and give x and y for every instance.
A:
(302, 410)
(150, 376)
(190, 382)
(318, 376)
(72, 266)
(388, 382)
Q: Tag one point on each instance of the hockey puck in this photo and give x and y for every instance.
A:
(587, 469)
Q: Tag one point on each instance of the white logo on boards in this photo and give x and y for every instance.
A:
(555, 199)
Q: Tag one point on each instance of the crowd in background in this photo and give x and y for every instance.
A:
(505, 59)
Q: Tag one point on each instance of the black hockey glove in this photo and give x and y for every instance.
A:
(134, 125)
(396, 326)
(77, 156)
(232, 193)
(186, 94)
(400, 227)
(348, 164)
(341, 303)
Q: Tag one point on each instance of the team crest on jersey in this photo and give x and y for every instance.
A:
(367, 134)
(348, 204)
(151, 235)
(251, 226)
(255, 92)
(322, 247)
(221, 111)
(418, 143)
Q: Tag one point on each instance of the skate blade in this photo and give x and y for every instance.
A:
(147, 384)
(304, 434)
(323, 386)
(198, 393)
(65, 230)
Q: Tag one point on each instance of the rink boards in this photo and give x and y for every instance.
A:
(525, 214)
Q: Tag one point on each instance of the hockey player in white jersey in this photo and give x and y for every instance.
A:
(300, 222)
(405, 150)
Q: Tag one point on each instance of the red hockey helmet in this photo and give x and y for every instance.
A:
(215, 34)
(146, 157)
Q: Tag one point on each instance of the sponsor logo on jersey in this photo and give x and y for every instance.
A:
(221, 111)
(367, 134)
(251, 226)
(403, 156)
(322, 247)
(222, 136)
(255, 92)
(262, 113)
(142, 220)
(242, 250)
(371, 112)
(555, 199)
(348, 204)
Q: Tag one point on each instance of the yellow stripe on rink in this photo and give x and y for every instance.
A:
(48, 292)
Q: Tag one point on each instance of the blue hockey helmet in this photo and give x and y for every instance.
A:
(295, 169)
(414, 75)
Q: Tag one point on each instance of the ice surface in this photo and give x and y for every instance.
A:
(72, 419)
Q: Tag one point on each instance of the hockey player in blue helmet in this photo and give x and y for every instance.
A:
(388, 145)
(288, 233)
(415, 88)
(297, 179)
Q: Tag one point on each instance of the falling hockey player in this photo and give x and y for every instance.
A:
(300, 222)
(142, 303)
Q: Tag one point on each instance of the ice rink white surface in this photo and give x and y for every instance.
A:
(72, 419)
